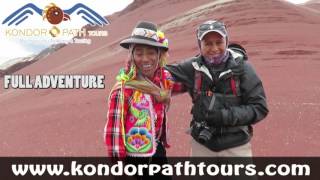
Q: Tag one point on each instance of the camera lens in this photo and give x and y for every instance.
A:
(204, 136)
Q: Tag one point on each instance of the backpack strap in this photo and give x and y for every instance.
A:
(233, 86)
(197, 85)
(240, 55)
(199, 71)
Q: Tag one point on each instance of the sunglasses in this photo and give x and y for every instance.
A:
(212, 25)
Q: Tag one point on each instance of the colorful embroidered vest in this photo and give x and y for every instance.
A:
(144, 121)
(140, 126)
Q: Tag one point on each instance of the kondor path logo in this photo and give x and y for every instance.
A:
(55, 16)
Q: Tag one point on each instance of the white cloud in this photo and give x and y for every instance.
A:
(298, 1)
(12, 49)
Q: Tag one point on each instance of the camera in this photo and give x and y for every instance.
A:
(205, 132)
(202, 131)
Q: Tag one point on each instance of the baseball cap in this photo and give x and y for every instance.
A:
(211, 26)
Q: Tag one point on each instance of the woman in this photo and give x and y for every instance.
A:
(227, 94)
(136, 124)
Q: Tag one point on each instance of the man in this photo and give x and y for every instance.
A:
(227, 95)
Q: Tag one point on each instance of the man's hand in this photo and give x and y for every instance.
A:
(214, 118)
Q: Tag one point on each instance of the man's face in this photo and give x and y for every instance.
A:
(146, 59)
(213, 45)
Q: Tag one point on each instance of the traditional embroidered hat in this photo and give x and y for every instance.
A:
(144, 33)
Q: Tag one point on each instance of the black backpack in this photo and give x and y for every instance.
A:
(239, 49)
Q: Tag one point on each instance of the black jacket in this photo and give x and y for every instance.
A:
(239, 111)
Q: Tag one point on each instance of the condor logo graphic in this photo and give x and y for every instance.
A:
(55, 15)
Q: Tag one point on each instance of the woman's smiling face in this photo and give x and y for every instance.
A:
(213, 45)
(146, 58)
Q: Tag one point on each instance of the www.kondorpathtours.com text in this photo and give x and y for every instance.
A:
(185, 168)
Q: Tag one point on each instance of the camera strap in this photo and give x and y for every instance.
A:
(213, 99)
